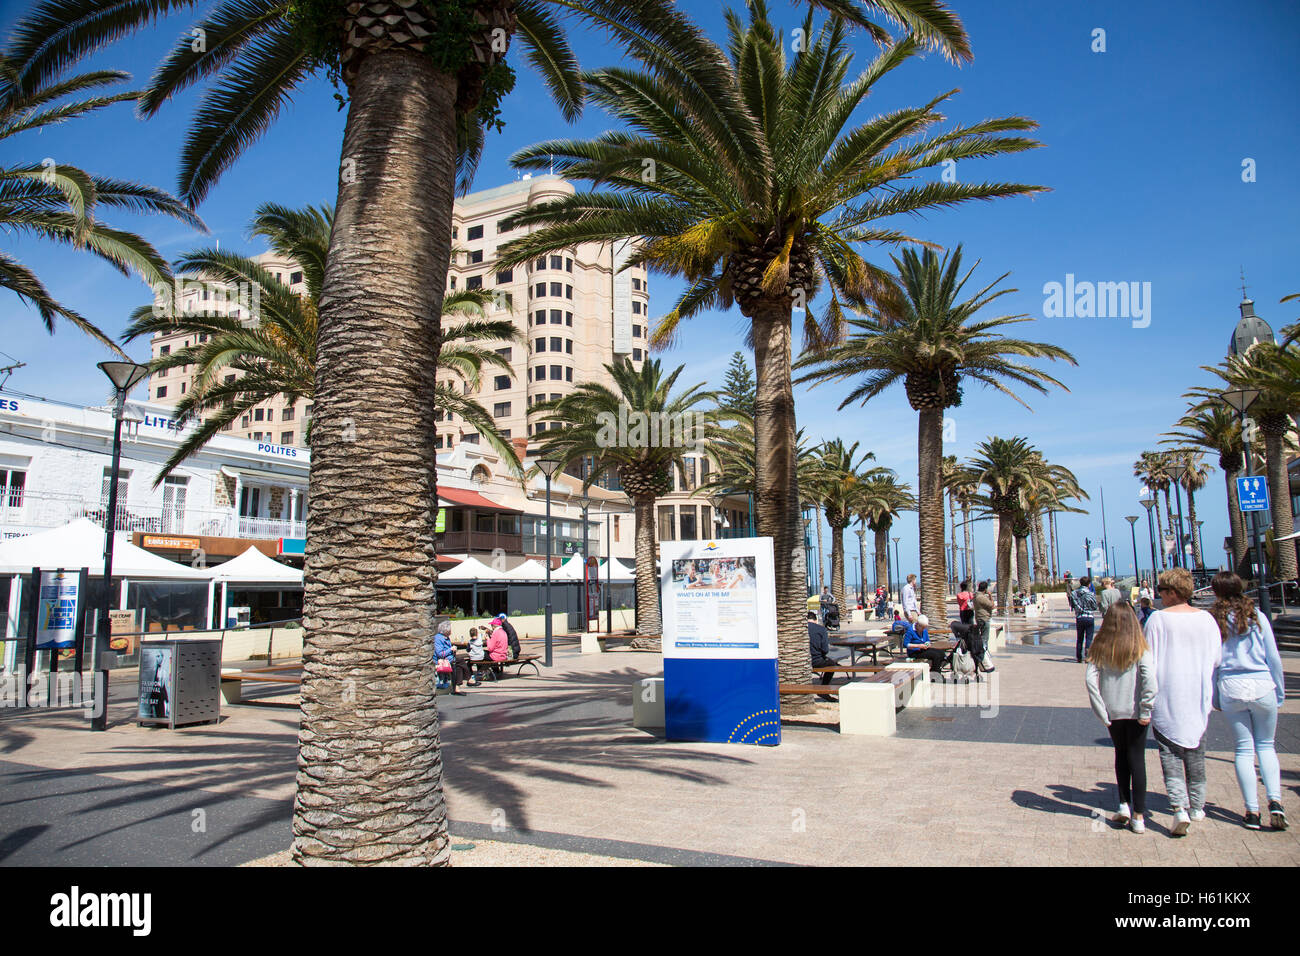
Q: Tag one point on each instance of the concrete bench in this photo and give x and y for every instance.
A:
(648, 703)
(232, 681)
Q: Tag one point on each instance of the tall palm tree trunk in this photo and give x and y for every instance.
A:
(648, 621)
(1236, 524)
(882, 555)
(955, 571)
(1004, 560)
(837, 566)
(1025, 582)
(1160, 536)
(1040, 550)
(929, 452)
(1054, 572)
(1176, 558)
(369, 781)
(1275, 428)
(1197, 558)
(777, 494)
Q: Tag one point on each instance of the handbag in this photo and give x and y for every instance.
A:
(443, 666)
(963, 662)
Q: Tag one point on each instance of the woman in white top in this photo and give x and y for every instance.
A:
(1185, 647)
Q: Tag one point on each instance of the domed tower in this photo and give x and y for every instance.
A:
(1250, 329)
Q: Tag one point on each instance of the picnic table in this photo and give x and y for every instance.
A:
(869, 642)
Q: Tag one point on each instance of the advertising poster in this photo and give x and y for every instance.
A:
(155, 682)
(121, 625)
(56, 610)
(719, 641)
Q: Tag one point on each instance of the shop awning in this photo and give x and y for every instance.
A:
(464, 498)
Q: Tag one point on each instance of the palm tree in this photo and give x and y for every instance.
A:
(60, 202)
(588, 418)
(1152, 469)
(881, 499)
(1006, 467)
(1192, 473)
(838, 479)
(422, 81)
(1213, 426)
(925, 335)
(1273, 372)
(242, 365)
(739, 174)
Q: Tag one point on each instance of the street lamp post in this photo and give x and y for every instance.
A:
(898, 571)
(548, 467)
(1132, 522)
(857, 578)
(1241, 400)
(862, 556)
(1149, 503)
(124, 376)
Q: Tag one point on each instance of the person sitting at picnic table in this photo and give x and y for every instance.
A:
(512, 636)
(445, 651)
(498, 643)
(916, 641)
(477, 652)
(819, 646)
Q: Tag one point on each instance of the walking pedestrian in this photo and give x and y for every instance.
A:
(911, 607)
(1250, 688)
(979, 634)
(965, 608)
(1186, 647)
(1108, 596)
(1121, 682)
(1084, 604)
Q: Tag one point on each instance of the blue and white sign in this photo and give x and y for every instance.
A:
(56, 623)
(1252, 493)
(719, 641)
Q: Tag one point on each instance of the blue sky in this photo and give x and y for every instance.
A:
(1143, 151)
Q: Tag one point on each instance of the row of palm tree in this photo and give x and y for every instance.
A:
(761, 195)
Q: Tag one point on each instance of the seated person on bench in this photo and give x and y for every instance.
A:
(916, 641)
(819, 644)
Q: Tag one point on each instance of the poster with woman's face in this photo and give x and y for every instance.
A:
(155, 682)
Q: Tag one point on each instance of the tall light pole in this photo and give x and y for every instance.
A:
(1132, 522)
(1150, 502)
(124, 376)
(898, 571)
(1241, 399)
(548, 467)
(862, 555)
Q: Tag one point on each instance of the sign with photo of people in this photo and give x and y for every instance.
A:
(719, 641)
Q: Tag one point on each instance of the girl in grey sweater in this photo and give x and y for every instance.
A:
(1121, 681)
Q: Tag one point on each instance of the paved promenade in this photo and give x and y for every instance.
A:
(553, 762)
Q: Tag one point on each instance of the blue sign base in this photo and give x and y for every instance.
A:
(721, 701)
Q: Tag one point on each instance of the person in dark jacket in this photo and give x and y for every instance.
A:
(819, 645)
(1085, 607)
(511, 636)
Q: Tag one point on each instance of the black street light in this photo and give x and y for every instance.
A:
(1149, 503)
(898, 571)
(124, 376)
(862, 556)
(548, 467)
(1132, 522)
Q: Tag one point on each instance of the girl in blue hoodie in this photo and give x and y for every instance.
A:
(1249, 688)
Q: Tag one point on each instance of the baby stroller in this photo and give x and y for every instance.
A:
(964, 666)
(831, 616)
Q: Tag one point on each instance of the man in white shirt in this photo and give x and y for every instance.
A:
(911, 608)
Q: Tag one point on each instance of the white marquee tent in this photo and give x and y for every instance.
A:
(80, 544)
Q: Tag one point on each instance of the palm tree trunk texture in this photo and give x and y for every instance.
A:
(1025, 582)
(929, 449)
(369, 781)
(1040, 550)
(1160, 536)
(1053, 572)
(1236, 525)
(837, 566)
(648, 621)
(882, 556)
(818, 580)
(777, 504)
(1004, 561)
(1279, 497)
(966, 534)
(955, 572)
(1176, 558)
(1197, 559)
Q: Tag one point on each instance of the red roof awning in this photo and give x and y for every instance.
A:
(446, 561)
(460, 497)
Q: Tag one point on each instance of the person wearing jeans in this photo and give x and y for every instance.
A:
(1186, 648)
(1249, 687)
(1084, 603)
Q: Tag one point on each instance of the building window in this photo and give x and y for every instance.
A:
(286, 438)
(164, 350)
(540, 290)
(568, 346)
(452, 280)
(12, 484)
(557, 344)
(568, 292)
(636, 307)
(557, 262)
(474, 282)
(568, 374)
(557, 289)
(501, 410)
(475, 232)
(295, 278)
(501, 382)
(636, 355)
(636, 285)
(555, 316)
(568, 318)
(540, 317)
(437, 442)
(636, 331)
(475, 257)
(505, 433)
(123, 480)
(557, 373)
(504, 276)
(686, 517)
(470, 439)
(568, 265)
(245, 422)
(250, 502)
(539, 263)
(183, 384)
(506, 353)
(286, 415)
(257, 436)
(541, 346)
(503, 225)
(162, 391)
(667, 528)
(257, 414)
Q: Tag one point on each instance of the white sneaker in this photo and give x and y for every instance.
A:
(1181, 822)
(1123, 815)
(1196, 816)
(1137, 825)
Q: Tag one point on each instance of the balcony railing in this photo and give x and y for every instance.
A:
(25, 512)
